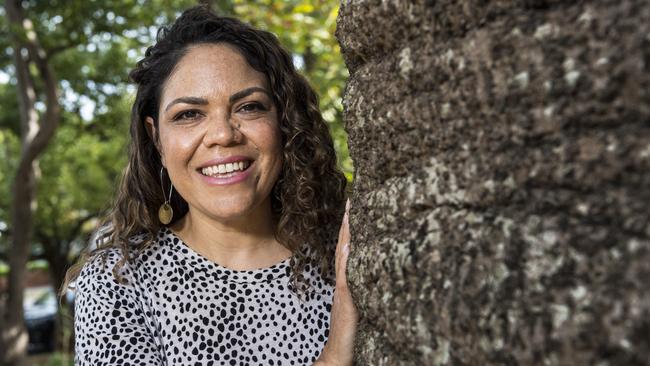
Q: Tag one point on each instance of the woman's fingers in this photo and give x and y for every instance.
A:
(344, 231)
(343, 322)
(344, 240)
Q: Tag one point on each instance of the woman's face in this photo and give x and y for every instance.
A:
(214, 106)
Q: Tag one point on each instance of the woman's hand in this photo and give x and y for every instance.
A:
(343, 321)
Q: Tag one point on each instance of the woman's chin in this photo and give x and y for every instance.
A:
(228, 212)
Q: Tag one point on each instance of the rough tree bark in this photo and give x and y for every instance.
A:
(502, 154)
(36, 131)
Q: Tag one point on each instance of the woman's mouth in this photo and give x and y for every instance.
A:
(226, 173)
(225, 170)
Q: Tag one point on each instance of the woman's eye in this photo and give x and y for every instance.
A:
(252, 107)
(190, 114)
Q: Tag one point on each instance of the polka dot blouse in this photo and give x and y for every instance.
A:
(179, 308)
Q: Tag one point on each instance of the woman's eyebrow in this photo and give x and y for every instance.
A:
(246, 92)
(202, 101)
(188, 100)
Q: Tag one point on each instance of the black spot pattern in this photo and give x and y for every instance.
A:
(179, 308)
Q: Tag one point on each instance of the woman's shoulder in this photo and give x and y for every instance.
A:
(110, 265)
(100, 270)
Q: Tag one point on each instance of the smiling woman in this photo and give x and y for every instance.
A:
(221, 246)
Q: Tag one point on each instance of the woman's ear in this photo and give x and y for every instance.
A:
(153, 135)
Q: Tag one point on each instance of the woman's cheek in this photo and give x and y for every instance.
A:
(181, 145)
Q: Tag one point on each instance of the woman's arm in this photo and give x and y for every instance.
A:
(110, 326)
(343, 324)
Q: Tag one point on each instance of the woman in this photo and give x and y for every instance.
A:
(220, 247)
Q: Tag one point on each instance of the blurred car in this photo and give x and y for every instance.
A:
(40, 306)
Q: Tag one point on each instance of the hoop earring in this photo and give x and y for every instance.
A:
(165, 212)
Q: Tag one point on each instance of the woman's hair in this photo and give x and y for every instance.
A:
(308, 197)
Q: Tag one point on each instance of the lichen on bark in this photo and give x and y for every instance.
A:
(502, 160)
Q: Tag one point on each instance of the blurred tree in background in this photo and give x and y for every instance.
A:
(90, 47)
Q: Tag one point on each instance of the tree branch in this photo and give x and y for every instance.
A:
(36, 139)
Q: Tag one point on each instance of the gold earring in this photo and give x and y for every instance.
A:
(165, 212)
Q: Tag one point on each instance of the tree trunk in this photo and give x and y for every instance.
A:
(35, 134)
(14, 334)
(502, 155)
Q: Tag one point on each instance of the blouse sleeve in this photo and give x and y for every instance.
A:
(109, 321)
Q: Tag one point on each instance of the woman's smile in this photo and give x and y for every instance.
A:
(230, 173)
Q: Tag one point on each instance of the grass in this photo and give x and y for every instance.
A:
(51, 359)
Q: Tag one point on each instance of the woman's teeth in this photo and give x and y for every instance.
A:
(225, 169)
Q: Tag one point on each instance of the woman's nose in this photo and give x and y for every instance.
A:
(222, 130)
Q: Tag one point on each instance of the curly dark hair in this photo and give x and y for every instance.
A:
(307, 199)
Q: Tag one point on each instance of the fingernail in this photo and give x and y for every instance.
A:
(347, 205)
(346, 248)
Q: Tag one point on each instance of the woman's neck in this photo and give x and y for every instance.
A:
(244, 243)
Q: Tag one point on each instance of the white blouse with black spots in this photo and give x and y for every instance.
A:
(179, 308)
